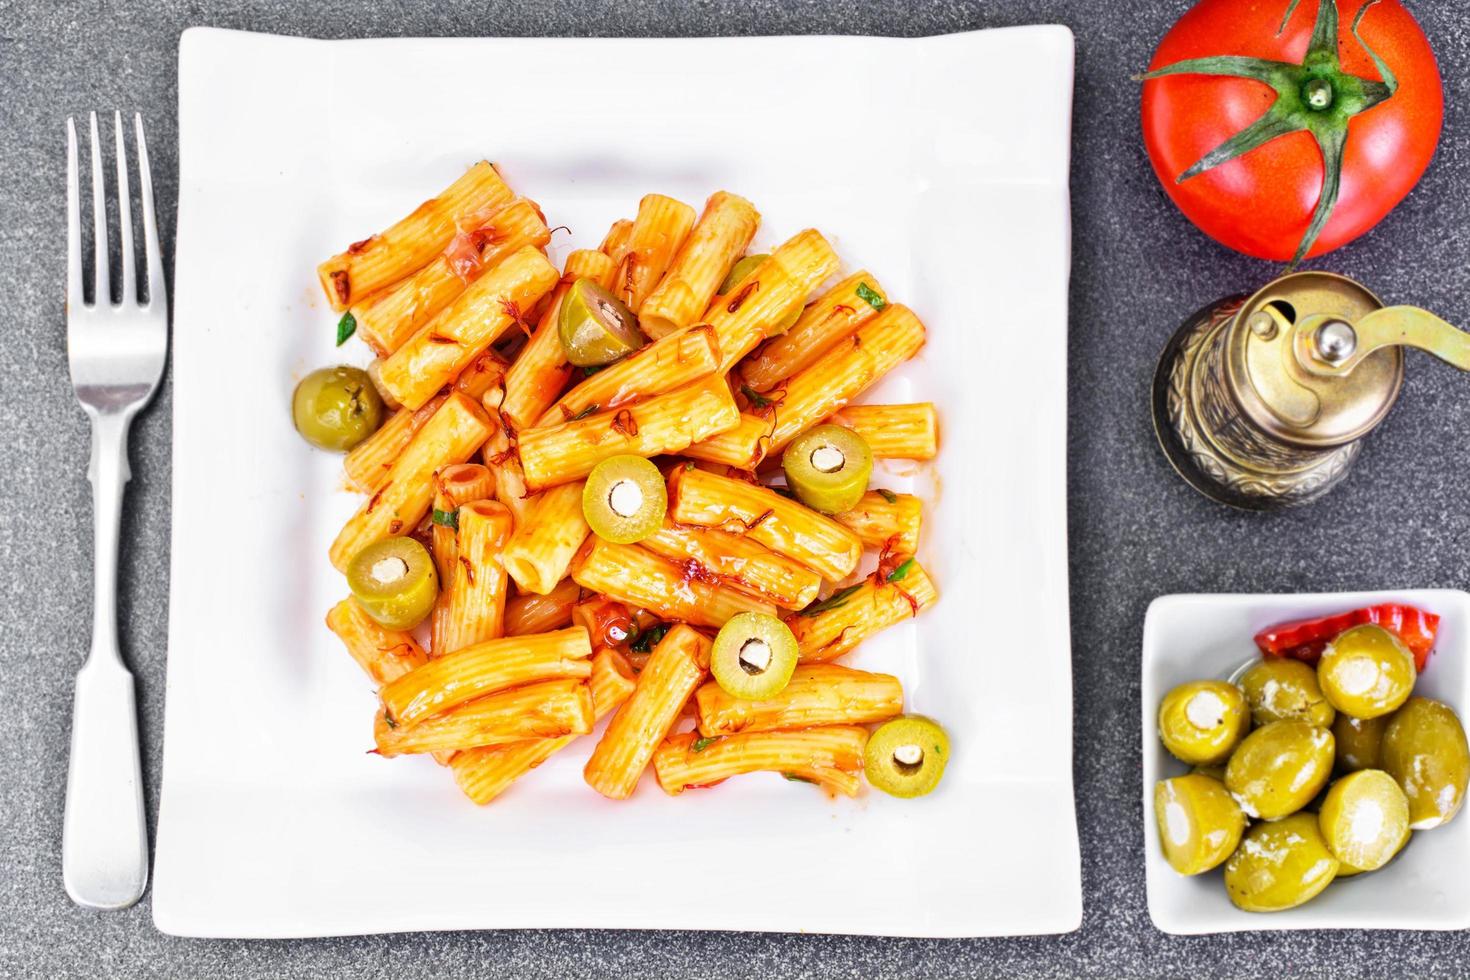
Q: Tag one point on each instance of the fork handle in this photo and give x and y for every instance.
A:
(104, 840)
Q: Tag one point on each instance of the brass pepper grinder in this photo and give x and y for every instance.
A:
(1262, 402)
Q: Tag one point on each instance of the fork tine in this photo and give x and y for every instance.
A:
(129, 292)
(102, 288)
(157, 291)
(74, 298)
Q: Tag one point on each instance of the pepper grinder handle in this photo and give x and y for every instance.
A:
(1330, 346)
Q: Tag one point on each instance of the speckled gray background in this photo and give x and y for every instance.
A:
(1402, 520)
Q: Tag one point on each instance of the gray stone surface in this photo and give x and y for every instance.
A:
(1402, 519)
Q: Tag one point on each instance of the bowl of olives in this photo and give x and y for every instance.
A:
(1304, 761)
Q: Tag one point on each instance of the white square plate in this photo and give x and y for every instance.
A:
(1194, 637)
(917, 160)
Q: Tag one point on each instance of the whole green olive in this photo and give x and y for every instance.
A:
(1279, 768)
(1281, 690)
(335, 408)
(1366, 672)
(1425, 750)
(1280, 865)
(1359, 742)
(1201, 722)
(1199, 822)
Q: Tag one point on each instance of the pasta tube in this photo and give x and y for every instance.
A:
(451, 436)
(660, 367)
(831, 757)
(666, 423)
(643, 580)
(543, 545)
(485, 773)
(844, 372)
(541, 370)
(411, 243)
(549, 709)
(885, 520)
(841, 310)
(454, 486)
(851, 615)
(464, 329)
(657, 233)
(817, 694)
(757, 305)
(743, 447)
(383, 654)
(475, 603)
(485, 668)
(615, 242)
(702, 499)
(680, 662)
(737, 561)
(894, 431)
(722, 235)
(500, 458)
(532, 613)
(390, 316)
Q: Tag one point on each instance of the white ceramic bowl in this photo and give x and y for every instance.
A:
(1193, 637)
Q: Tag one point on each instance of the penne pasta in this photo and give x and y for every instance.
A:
(739, 562)
(666, 423)
(702, 499)
(463, 330)
(390, 316)
(383, 259)
(840, 311)
(641, 579)
(844, 372)
(885, 520)
(743, 447)
(851, 615)
(475, 601)
(541, 550)
(660, 367)
(831, 757)
(549, 709)
(485, 773)
(615, 242)
(680, 662)
(894, 431)
(655, 237)
(485, 668)
(541, 370)
(721, 236)
(532, 613)
(817, 694)
(402, 500)
(454, 486)
(383, 654)
(757, 306)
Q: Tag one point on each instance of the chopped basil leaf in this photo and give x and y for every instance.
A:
(898, 573)
(836, 600)
(756, 398)
(591, 369)
(585, 412)
(870, 296)
(700, 744)
(346, 327)
(446, 518)
(649, 639)
(889, 496)
(688, 466)
(795, 778)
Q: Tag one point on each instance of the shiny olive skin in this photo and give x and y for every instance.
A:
(629, 482)
(1202, 722)
(595, 327)
(1359, 742)
(753, 656)
(828, 468)
(1279, 768)
(1199, 822)
(1425, 750)
(395, 582)
(1280, 865)
(335, 408)
(1279, 689)
(1365, 819)
(1366, 672)
(889, 746)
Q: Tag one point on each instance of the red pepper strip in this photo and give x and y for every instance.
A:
(1305, 639)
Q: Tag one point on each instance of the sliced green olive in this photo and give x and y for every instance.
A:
(1425, 749)
(624, 499)
(1365, 819)
(753, 656)
(905, 757)
(1366, 672)
(1279, 690)
(828, 468)
(1280, 865)
(394, 582)
(595, 326)
(335, 408)
(1199, 822)
(1202, 722)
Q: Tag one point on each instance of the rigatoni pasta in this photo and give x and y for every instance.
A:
(886, 521)
(849, 616)
(835, 315)
(532, 613)
(756, 306)
(817, 694)
(454, 486)
(894, 431)
(549, 709)
(633, 575)
(670, 363)
(737, 561)
(655, 237)
(474, 605)
(383, 654)
(721, 236)
(540, 552)
(831, 757)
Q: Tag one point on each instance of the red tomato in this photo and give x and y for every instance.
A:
(1261, 202)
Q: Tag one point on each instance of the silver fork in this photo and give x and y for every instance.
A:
(117, 354)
